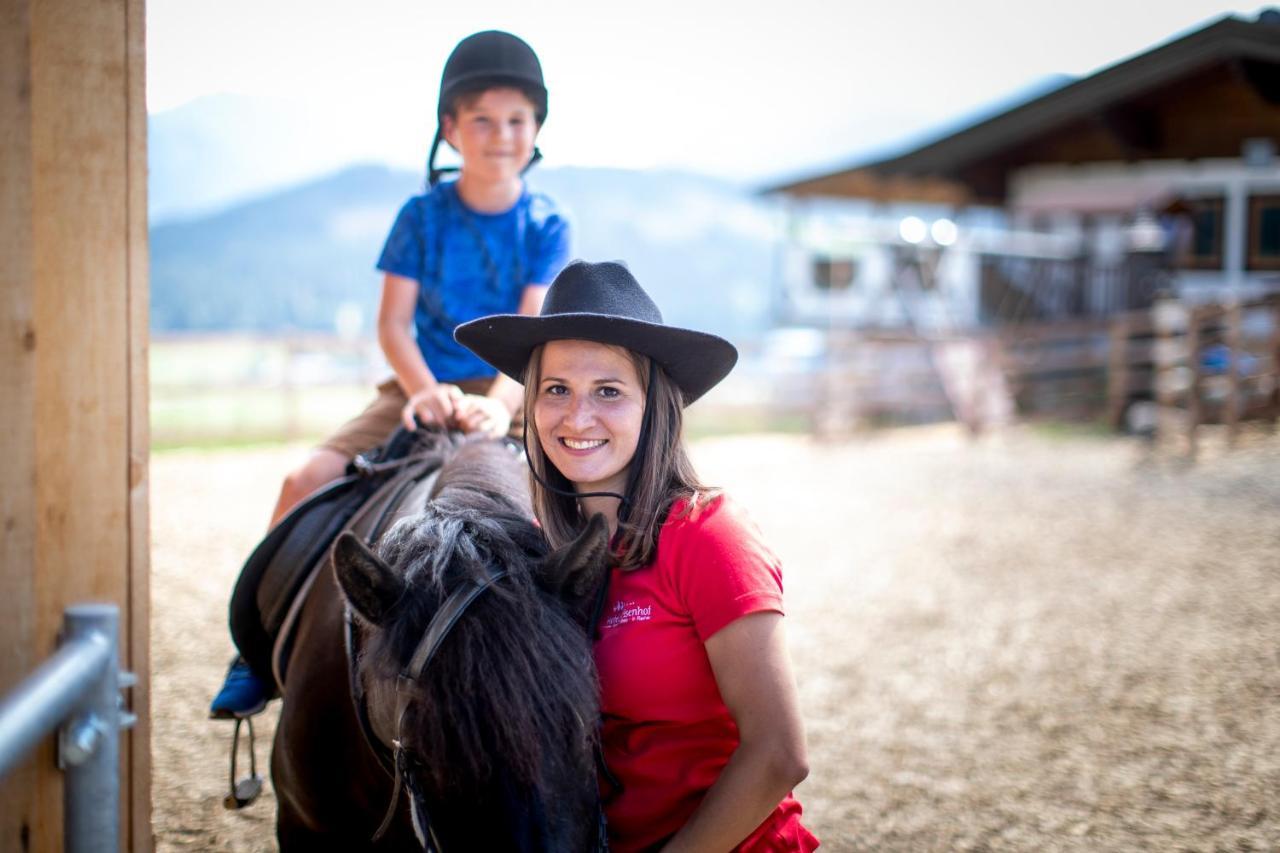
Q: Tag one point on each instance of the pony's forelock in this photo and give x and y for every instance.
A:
(516, 678)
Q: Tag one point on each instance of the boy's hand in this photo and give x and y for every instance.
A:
(434, 406)
(476, 413)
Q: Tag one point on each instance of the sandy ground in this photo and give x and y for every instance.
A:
(1026, 643)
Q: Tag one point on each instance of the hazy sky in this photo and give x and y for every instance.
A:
(740, 89)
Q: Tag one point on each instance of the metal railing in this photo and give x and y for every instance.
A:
(76, 692)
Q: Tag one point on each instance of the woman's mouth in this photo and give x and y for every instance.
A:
(583, 443)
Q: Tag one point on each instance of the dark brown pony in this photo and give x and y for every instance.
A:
(497, 737)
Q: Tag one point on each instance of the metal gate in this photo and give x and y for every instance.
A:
(77, 692)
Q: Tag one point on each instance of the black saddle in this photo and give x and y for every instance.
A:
(277, 575)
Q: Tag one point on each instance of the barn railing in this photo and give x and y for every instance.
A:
(77, 693)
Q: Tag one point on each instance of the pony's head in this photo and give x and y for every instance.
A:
(497, 734)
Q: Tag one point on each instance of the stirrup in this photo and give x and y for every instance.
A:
(246, 790)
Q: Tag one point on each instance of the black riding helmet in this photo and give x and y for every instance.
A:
(482, 61)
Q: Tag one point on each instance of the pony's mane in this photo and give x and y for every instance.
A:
(513, 679)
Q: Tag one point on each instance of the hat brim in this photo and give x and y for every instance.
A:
(695, 361)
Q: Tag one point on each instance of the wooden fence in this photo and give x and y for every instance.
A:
(220, 388)
(1174, 367)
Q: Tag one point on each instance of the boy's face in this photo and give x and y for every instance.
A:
(494, 133)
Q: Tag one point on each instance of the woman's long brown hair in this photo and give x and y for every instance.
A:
(664, 475)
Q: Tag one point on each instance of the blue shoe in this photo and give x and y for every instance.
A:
(242, 695)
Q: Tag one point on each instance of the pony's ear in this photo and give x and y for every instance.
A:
(369, 584)
(574, 571)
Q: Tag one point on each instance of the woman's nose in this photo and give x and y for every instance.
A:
(580, 413)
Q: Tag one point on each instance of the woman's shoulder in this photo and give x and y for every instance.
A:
(713, 558)
(711, 516)
(704, 508)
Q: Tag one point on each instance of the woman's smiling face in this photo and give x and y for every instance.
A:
(588, 412)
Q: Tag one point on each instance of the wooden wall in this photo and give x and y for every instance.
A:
(73, 332)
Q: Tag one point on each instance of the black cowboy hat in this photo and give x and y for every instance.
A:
(602, 303)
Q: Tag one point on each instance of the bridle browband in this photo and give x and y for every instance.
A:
(407, 689)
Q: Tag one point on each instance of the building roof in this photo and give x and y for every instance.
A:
(1197, 96)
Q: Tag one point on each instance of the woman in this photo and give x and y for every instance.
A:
(701, 730)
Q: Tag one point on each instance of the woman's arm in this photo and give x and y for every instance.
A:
(753, 671)
(431, 401)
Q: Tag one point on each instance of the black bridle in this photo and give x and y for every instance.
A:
(396, 761)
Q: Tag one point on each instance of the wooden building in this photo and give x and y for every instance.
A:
(1158, 173)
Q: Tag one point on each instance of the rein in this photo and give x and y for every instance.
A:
(407, 689)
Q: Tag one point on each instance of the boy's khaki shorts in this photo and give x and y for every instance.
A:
(376, 423)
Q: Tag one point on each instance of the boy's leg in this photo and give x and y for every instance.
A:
(322, 466)
(328, 461)
(243, 692)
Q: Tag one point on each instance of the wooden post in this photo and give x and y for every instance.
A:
(73, 330)
(1274, 352)
(1234, 318)
(1117, 370)
(1169, 317)
(1195, 393)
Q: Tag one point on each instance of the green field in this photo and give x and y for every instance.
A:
(227, 391)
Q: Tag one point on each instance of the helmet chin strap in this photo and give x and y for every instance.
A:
(434, 174)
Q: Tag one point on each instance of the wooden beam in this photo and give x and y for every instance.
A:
(1135, 130)
(1262, 77)
(137, 824)
(18, 385)
(73, 314)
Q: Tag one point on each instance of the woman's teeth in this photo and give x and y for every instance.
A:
(576, 444)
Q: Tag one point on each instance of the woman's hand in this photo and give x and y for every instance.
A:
(434, 406)
(476, 413)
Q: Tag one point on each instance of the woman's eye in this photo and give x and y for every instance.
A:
(609, 392)
(555, 390)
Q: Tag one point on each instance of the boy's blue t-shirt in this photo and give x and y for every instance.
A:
(471, 264)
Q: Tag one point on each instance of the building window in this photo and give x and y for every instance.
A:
(833, 274)
(1264, 232)
(1201, 247)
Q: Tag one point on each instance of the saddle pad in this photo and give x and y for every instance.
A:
(278, 568)
(403, 495)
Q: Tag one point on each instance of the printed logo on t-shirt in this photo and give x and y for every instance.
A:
(628, 611)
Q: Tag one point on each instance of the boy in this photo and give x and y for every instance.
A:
(482, 244)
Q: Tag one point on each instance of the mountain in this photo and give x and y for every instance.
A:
(259, 223)
(221, 150)
(293, 259)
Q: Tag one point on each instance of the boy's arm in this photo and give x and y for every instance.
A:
(506, 389)
(431, 401)
(476, 413)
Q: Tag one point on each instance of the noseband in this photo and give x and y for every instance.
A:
(407, 689)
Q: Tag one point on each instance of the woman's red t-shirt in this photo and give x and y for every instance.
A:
(667, 733)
